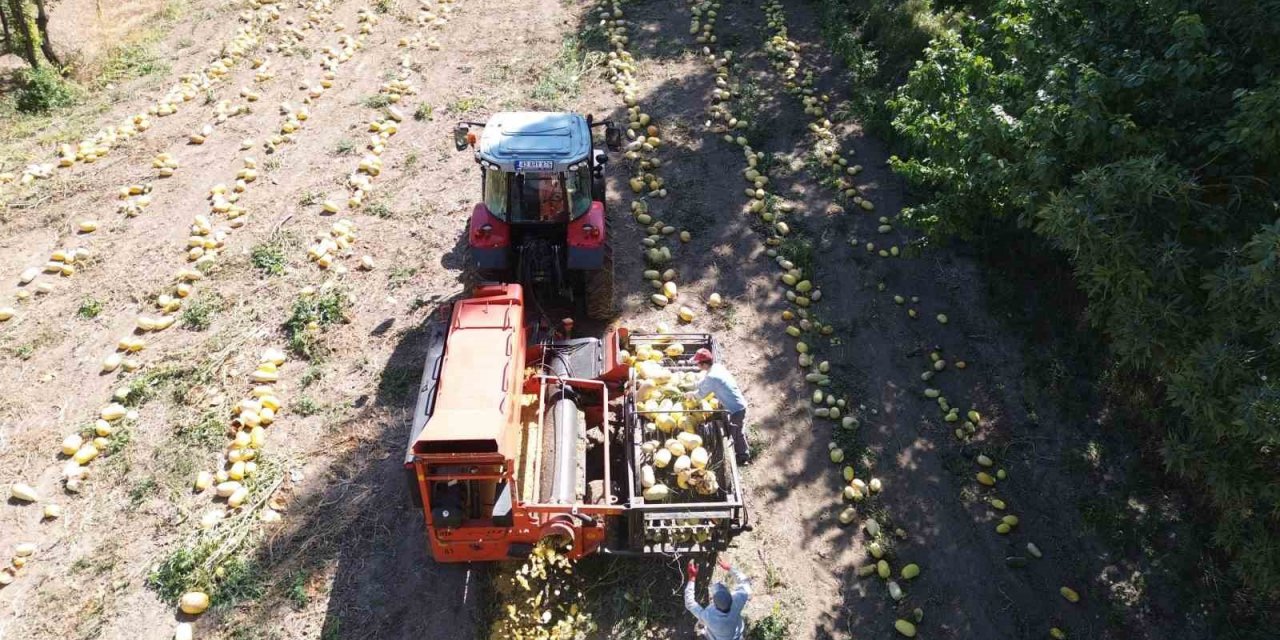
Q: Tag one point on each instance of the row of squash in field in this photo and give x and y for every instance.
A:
(253, 415)
(642, 147)
(203, 245)
(234, 484)
(82, 447)
(787, 62)
(802, 292)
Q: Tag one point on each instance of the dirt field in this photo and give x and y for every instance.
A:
(348, 559)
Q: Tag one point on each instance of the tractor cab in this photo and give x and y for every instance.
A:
(541, 218)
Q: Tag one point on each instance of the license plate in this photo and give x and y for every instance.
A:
(534, 165)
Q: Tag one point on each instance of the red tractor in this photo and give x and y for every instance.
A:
(542, 219)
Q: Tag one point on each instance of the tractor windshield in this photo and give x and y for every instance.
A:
(538, 197)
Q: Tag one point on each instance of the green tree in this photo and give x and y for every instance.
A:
(1142, 141)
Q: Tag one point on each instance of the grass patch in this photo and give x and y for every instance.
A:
(205, 432)
(400, 276)
(89, 309)
(142, 490)
(100, 561)
(305, 406)
(800, 252)
(198, 314)
(332, 629)
(212, 562)
(182, 571)
(312, 375)
(749, 107)
(465, 104)
(314, 197)
(379, 209)
(241, 581)
(424, 112)
(268, 257)
(561, 80)
(133, 60)
(345, 148)
(147, 386)
(310, 315)
(117, 442)
(297, 593)
(396, 385)
(377, 101)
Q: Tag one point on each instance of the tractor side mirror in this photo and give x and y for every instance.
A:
(461, 137)
(612, 137)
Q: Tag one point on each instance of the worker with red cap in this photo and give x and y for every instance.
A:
(717, 380)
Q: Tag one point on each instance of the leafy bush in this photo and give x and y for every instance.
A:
(311, 314)
(775, 626)
(1142, 141)
(199, 312)
(268, 257)
(43, 89)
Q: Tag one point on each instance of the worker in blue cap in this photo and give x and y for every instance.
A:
(723, 619)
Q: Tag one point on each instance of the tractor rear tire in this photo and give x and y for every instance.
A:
(599, 288)
(597, 189)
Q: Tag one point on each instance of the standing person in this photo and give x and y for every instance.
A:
(723, 619)
(719, 381)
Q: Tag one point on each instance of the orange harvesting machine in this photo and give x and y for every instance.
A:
(520, 438)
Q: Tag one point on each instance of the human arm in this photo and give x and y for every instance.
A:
(691, 602)
(710, 384)
(741, 590)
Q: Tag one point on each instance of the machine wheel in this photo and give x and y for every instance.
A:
(599, 288)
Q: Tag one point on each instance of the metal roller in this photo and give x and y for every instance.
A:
(566, 423)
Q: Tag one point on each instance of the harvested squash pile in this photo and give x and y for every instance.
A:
(674, 463)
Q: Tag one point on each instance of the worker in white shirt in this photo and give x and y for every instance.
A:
(717, 380)
(722, 619)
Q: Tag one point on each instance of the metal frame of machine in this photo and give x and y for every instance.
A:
(471, 459)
